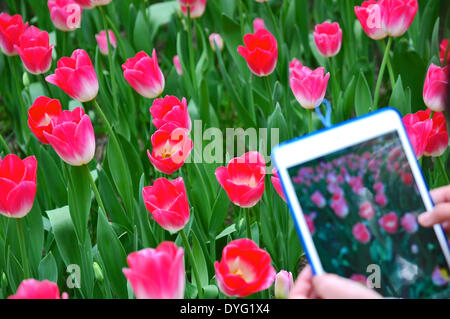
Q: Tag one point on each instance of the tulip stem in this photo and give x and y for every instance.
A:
(310, 129)
(191, 49)
(194, 265)
(389, 66)
(269, 91)
(443, 171)
(23, 250)
(4, 144)
(247, 223)
(381, 73)
(95, 190)
(23, 109)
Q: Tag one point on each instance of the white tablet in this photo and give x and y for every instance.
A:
(355, 191)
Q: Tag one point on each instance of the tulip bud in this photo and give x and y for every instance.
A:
(283, 284)
(25, 79)
(98, 271)
(328, 38)
(216, 39)
(197, 9)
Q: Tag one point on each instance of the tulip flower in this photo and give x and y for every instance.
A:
(243, 179)
(244, 269)
(171, 146)
(309, 87)
(187, 3)
(378, 187)
(309, 219)
(328, 38)
(389, 222)
(443, 47)
(65, 14)
(361, 233)
(260, 52)
(339, 206)
(40, 116)
(359, 278)
(177, 64)
(435, 88)
(89, 4)
(76, 76)
(258, 23)
(409, 223)
(428, 136)
(318, 199)
(35, 51)
(17, 185)
(72, 137)
(366, 210)
(381, 199)
(284, 283)
(102, 41)
(197, 9)
(216, 39)
(440, 277)
(157, 273)
(34, 289)
(167, 202)
(144, 75)
(277, 184)
(11, 28)
(170, 110)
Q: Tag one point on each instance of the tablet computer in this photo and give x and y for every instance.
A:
(355, 191)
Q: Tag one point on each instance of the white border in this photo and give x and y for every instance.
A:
(328, 141)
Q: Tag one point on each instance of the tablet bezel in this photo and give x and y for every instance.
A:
(331, 140)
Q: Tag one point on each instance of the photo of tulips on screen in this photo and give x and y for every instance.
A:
(361, 206)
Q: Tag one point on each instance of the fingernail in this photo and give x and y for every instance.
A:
(425, 219)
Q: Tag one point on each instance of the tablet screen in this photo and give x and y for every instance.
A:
(361, 206)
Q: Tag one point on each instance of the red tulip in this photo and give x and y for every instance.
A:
(171, 146)
(361, 233)
(187, 3)
(72, 137)
(11, 28)
(170, 109)
(17, 185)
(328, 38)
(89, 4)
(216, 39)
(427, 135)
(144, 75)
(389, 222)
(65, 14)
(76, 76)
(40, 116)
(157, 273)
(308, 86)
(409, 223)
(260, 52)
(443, 47)
(167, 202)
(197, 9)
(243, 179)
(366, 210)
(102, 41)
(177, 64)
(277, 184)
(34, 289)
(318, 199)
(244, 269)
(435, 88)
(35, 51)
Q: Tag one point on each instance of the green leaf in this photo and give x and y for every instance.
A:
(54, 181)
(48, 269)
(277, 121)
(219, 211)
(113, 256)
(399, 99)
(79, 199)
(200, 261)
(363, 97)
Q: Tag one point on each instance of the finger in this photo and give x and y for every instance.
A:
(441, 195)
(330, 286)
(303, 285)
(446, 226)
(438, 215)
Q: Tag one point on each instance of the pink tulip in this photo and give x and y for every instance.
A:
(177, 64)
(308, 86)
(409, 223)
(197, 9)
(359, 278)
(381, 199)
(167, 202)
(144, 75)
(277, 184)
(328, 38)
(361, 233)
(34, 289)
(157, 273)
(318, 199)
(389, 222)
(372, 17)
(89, 4)
(216, 39)
(65, 14)
(366, 210)
(72, 137)
(443, 48)
(17, 185)
(35, 50)
(258, 23)
(378, 187)
(76, 76)
(102, 41)
(339, 205)
(187, 3)
(243, 179)
(11, 28)
(284, 283)
(435, 88)
(170, 110)
(310, 222)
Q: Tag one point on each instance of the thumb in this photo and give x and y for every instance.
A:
(329, 286)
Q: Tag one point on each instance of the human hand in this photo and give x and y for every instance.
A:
(441, 212)
(329, 286)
